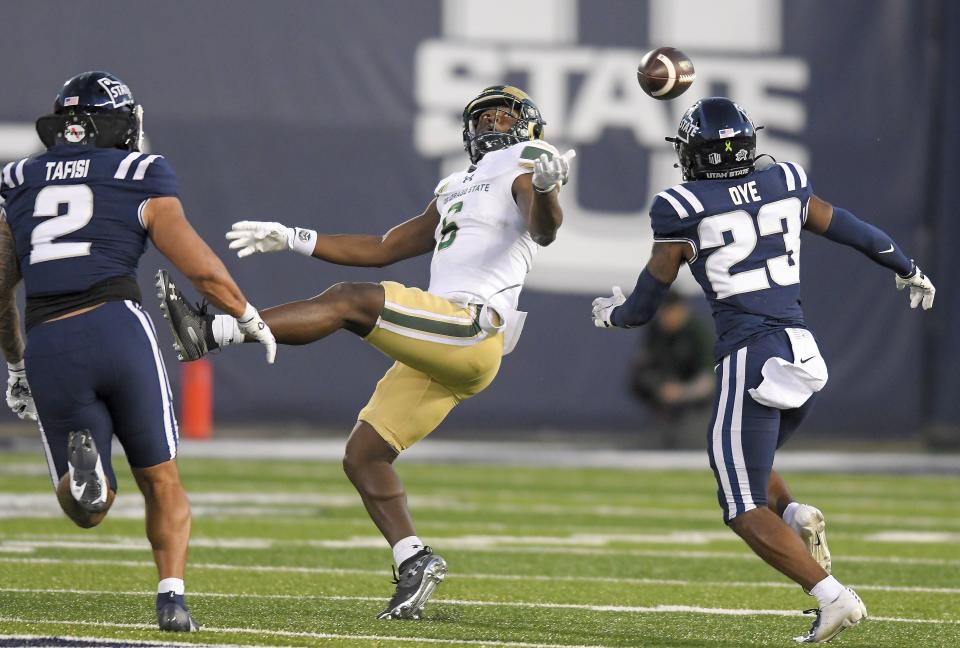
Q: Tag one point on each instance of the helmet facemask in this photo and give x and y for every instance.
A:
(509, 103)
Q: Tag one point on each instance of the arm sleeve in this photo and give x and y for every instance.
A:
(847, 229)
(642, 303)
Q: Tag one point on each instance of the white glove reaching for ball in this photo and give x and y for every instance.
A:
(552, 172)
(253, 325)
(921, 288)
(249, 237)
(603, 308)
(19, 396)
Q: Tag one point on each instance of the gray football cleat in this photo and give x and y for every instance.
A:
(846, 611)
(418, 577)
(190, 325)
(88, 483)
(808, 523)
(172, 614)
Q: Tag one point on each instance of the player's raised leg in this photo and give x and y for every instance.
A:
(351, 306)
(348, 305)
(84, 493)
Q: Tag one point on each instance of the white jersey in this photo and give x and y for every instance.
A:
(484, 251)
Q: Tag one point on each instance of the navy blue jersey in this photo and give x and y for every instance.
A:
(76, 214)
(745, 233)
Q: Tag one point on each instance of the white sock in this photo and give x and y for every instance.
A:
(789, 512)
(827, 590)
(226, 331)
(406, 548)
(174, 585)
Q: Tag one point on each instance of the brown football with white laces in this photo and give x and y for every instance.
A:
(665, 73)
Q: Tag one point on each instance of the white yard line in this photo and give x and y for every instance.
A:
(379, 573)
(287, 505)
(587, 607)
(316, 635)
(474, 543)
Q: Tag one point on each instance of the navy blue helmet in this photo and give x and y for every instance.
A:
(529, 124)
(94, 108)
(715, 140)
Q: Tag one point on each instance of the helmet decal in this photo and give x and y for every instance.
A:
(75, 133)
(117, 91)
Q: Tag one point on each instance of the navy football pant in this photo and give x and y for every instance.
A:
(102, 371)
(743, 434)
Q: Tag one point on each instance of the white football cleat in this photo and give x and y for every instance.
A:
(809, 525)
(846, 611)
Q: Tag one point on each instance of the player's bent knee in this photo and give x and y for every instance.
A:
(162, 478)
(742, 522)
(356, 303)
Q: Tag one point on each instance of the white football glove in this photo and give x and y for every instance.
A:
(603, 308)
(552, 172)
(248, 237)
(253, 325)
(921, 288)
(19, 396)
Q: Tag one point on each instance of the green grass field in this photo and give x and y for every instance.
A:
(284, 555)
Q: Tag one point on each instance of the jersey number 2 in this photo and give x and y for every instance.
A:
(784, 270)
(79, 210)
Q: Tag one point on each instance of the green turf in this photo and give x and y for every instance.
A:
(283, 554)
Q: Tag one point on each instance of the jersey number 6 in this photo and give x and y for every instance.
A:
(448, 229)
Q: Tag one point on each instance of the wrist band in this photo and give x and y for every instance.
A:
(248, 314)
(548, 190)
(15, 367)
(303, 241)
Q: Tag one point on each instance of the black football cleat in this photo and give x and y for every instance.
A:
(190, 325)
(419, 576)
(172, 614)
(88, 483)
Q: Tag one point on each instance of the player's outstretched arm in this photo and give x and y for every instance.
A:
(409, 239)
(178, 241)
(536, 195)
(652, 285)
(840, 226)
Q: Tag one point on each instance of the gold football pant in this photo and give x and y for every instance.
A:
(443, 357)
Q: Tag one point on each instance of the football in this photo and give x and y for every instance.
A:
(665, 73)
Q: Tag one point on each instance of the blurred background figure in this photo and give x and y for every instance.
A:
(672, 374)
